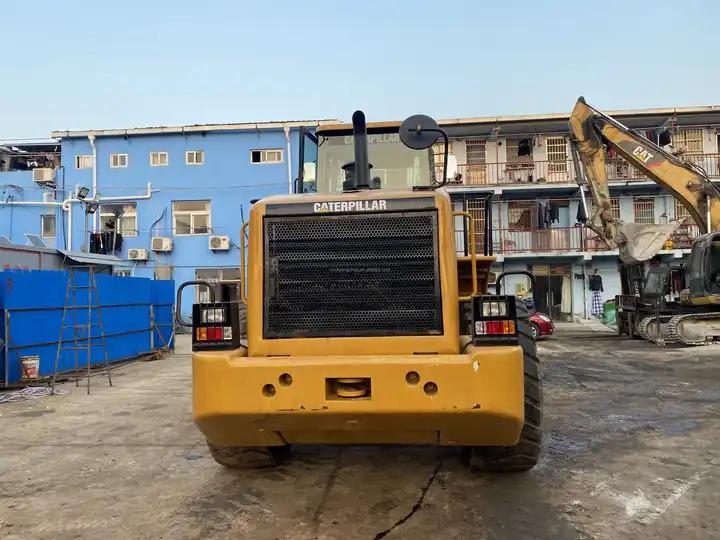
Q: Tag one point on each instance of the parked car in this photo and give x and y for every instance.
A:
(541, 325)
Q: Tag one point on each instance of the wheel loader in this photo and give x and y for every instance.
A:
(364, 324)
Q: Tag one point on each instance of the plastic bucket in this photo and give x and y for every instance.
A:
(30, 366)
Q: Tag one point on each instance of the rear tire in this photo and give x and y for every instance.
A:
(524, 455)
(248, 457)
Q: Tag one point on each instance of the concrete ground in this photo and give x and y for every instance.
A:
(632, 447)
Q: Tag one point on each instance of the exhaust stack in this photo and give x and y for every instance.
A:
(357, 174)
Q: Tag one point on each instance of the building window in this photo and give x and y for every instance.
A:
(522, 214)
(84, 162)
(475, 172)
(688, 141)
(228, 276)
(475, 152)
(191, 217)
(119, 217)
(158, 159)
(614, 207)
(438, 150)
(47, 226)
(274, 155)
(682, 215)
(513, 148)
(556, 154)
(194, 157)
(476, 208)
(644, 209)
(118, 161)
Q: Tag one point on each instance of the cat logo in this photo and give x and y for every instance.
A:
(642, 154)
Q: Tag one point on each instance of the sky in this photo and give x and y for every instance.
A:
(82, 64)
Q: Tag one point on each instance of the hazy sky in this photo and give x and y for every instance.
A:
(101, 64)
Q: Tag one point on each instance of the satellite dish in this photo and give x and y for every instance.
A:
(419, 132)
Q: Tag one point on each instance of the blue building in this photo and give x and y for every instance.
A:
(176, 196)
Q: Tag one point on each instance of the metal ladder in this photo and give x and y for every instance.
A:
(82, 333)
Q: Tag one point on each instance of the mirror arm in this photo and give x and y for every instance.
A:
(446, 153)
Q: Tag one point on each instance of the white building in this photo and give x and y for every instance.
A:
(563, 253)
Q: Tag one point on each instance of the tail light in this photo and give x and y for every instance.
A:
(494, 319)
(216, 326)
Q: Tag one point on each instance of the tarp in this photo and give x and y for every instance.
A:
(137, 318)
(640, 242)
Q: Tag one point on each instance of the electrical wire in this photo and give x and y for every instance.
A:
(30, 393)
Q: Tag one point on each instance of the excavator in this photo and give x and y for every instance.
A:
(364, 326)
(694, 319)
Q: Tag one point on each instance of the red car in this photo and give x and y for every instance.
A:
(541, 325)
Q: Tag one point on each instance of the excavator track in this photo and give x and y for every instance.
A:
(703, 334)
(648, 330)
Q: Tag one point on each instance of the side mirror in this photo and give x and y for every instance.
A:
(419, 132)
(664, 138)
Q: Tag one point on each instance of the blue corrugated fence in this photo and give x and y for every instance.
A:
(32, 302)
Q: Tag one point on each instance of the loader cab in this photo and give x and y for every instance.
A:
(394, 166)
(705, 266)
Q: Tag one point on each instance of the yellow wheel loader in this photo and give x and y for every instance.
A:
(364, 325)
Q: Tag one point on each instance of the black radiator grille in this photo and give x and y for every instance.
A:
(352, 275)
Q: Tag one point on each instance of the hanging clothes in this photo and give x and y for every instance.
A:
(596, 309)
(581, 214)
(553, 214)
(543, 213)
(566, 295)
(595, 282)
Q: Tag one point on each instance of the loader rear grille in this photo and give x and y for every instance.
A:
(352, 275)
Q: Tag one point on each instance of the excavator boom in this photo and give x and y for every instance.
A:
(594, 132)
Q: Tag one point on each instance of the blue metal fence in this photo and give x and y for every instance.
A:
(137, 316)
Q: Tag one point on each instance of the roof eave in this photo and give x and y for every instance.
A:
(198, 128)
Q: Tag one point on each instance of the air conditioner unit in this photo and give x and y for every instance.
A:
(138, 254)
(219, 243)
(43, 176)
(161, 244)
(49, 196)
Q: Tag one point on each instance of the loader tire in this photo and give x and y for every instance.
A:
(248, 457)
(524, 455)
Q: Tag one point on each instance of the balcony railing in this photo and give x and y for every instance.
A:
(520, 172)
(553, 172)
(562, 240)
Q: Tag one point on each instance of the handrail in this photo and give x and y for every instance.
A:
(473, 257)
(178, 300)
(243, 295)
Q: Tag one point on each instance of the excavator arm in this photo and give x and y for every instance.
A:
(593, 132)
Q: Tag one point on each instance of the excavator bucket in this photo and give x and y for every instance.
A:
(640, 242)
